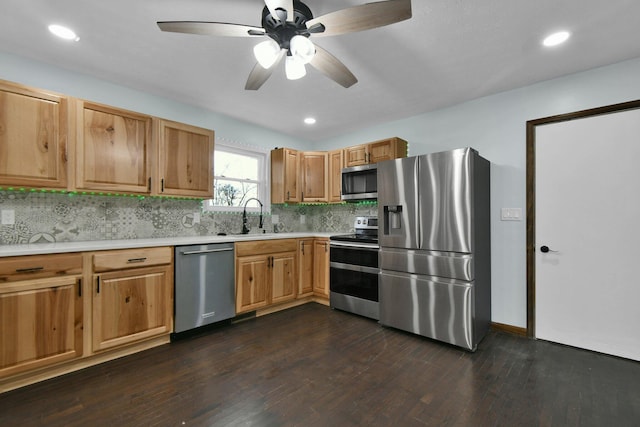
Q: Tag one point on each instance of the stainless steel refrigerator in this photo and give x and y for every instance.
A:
(435, 246)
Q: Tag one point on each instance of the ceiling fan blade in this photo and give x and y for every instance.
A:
(331, 67)
(211, 28)
(287, 5)
(259, 74)
(363, 17)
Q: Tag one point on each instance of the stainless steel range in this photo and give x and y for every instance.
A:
(354, 269)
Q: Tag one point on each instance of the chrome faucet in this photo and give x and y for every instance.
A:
(245, 227)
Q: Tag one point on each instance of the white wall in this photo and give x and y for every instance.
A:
(496, 127)
(40, 75)
(493, 125)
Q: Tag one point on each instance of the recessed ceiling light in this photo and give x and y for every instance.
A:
(556, 38)
(310, 121)
(63, 32)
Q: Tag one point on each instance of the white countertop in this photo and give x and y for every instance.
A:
(101, 245)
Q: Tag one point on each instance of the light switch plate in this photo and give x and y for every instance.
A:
(8, 217)
(511, 214)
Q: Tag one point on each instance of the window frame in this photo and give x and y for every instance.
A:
(264, 166)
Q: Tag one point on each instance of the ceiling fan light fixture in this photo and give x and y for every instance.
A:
(266, 53)
(302, 48)
(294, 68)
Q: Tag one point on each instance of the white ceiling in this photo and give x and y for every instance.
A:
(450, 51)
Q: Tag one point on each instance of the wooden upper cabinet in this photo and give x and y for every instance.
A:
(374, 152)
(285, 171)
(335, 175)
(113, 149)
(387, 149)
(315, 176)
(34, 129)
(356, 155)
(185, 160)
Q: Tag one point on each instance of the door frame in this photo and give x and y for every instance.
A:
(531, 193)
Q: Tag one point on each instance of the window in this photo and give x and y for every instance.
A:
(240, 173)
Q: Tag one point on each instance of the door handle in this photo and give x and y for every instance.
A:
(545, 249)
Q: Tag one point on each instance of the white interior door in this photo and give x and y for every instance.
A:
(588, 211)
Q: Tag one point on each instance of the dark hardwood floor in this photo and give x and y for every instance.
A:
(313, 366)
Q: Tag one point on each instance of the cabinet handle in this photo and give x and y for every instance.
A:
(80, 288)
(326, 247)
(302, 248)
(162, 185)
(29, 269)
(132, 260)
(98, 284)
(303, 195)
(149, 183)
(271, 261)
(288, 195)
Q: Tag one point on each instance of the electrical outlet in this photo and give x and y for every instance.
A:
(196, 217)
(511, 214)
(303, 219)
(8, 217)
(275, 219)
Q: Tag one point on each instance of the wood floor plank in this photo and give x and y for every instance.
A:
(313, 366)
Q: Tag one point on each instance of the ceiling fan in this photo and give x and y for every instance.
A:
(288, 25)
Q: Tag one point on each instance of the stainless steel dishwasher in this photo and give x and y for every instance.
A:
(204, 285)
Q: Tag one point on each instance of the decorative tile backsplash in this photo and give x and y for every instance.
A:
(49, 217)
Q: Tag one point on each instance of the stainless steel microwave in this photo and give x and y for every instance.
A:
(360, 182)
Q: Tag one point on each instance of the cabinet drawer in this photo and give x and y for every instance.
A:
(131, 258)
(259, 247)
(39, 266)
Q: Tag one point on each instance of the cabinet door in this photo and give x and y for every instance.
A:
(285, 168)
(33, 138)
(321, 267)
(305, 261)
(40, 323)
(335, 175)
(387, 149)
(315, 180)
(131, 305)
(252, 279)
(283, 277)
(355, 156)
(113, 150)
(185, 159)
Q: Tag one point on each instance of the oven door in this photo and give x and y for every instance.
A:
(354, 270)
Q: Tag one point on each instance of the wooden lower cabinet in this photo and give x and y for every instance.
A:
(40, 323)
(41, 311)
(266, 273)
(252, 280)
(131, 305)
(305, 263)
(132, 296)
(321, 267)
(63, 312)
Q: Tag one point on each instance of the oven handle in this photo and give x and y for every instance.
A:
(351, 267)
(369, 246)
